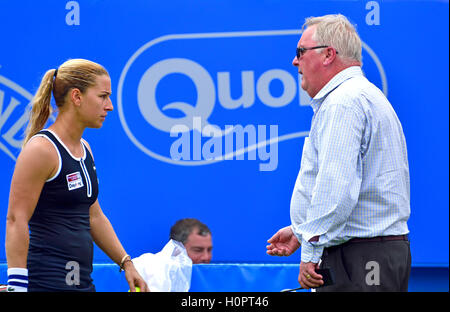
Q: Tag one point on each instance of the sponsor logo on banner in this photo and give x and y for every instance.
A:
(15, 106)
(196, 99)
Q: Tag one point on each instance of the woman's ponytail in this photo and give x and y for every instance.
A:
(40, 106)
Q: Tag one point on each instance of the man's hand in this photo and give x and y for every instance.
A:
(308, 278)
(283, 243)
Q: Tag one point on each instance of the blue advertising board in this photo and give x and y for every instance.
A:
(210, 119)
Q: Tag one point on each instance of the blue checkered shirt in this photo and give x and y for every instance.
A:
(354, 174)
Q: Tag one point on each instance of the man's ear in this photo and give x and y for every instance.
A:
(330, 56)
(76, 96)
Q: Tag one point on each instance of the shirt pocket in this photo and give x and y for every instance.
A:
(309, 157)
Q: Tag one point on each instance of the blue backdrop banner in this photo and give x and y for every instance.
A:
(209, 119)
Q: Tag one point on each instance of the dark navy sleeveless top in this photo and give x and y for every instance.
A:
(61, 248)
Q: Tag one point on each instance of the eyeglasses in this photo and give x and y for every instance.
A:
(301, 51)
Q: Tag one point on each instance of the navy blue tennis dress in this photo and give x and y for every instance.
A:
(61, 247)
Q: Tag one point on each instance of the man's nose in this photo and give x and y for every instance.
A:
(205, 257)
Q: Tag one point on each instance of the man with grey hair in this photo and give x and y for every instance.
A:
(196, 238)
(351, 200)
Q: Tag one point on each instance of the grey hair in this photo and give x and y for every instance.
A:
(335, 30)
(181, 230)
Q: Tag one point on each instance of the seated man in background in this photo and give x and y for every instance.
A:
(170, 269)
(196, 238)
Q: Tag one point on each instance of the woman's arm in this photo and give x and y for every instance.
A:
(105, 237)
(37, 162)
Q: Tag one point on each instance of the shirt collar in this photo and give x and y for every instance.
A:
(339, 78)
